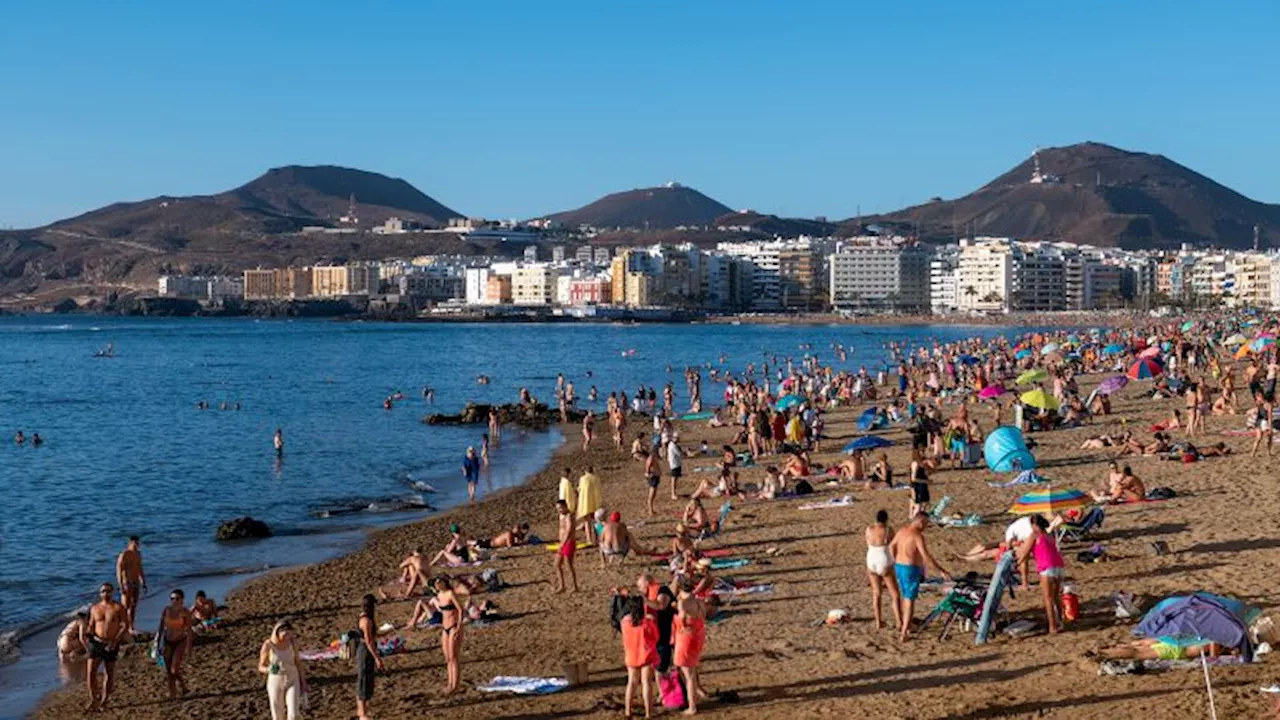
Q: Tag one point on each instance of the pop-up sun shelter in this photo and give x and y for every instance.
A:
(1006, 451)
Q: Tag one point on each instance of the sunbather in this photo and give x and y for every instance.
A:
(457, 551)
(1154, 649)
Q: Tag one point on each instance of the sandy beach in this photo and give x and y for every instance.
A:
(770, 648)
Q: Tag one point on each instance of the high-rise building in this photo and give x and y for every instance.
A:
(886, 274)
(984, 275)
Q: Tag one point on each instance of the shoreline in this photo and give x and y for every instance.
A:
(35, 674)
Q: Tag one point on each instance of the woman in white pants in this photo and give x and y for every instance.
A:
(285, 671)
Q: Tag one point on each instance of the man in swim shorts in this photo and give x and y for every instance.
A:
(910, 557)
(568, 547)
(108, 626)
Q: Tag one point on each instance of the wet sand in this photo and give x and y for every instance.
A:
(1220, 529)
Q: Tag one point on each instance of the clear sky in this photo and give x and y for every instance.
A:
(516, 109)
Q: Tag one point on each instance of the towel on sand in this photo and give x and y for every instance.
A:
(832, 503)
(524, 685)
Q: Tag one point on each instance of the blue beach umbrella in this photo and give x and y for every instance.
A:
(1113, 349)
(968, 360)
(868, 419)
(867, 443)
(1023, 353)
(788, 402)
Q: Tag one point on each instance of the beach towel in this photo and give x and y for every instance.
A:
(524, 685)
(729, 563)
(474, 563)
(386, 646)
(832, 503)
(554, 547)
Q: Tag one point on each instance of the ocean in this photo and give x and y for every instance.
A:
(127, 449)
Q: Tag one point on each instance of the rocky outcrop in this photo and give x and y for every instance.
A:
(242, 528)
(535, 416)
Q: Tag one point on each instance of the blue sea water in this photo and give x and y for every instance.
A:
(127, 451)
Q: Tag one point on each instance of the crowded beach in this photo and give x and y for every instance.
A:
(1058, 523)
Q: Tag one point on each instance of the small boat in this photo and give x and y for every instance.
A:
(107, 352)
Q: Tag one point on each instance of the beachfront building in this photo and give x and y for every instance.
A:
(476, 285)
(1039, 279)
(984, 274)
(534, 284)
(590, 291)
(182, 286)
(943, 274)
(329, 281)
(879, 274)
(784, 273)
(260, 284)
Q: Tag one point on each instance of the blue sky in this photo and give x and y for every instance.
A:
(514, 109)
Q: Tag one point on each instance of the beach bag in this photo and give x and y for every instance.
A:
(617, 611)
(492, 582)
(347, 645)
(1160, 493)
(671, 691)
(804, 488)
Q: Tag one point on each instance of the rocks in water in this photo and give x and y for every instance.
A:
(242, 528)
(535, 416)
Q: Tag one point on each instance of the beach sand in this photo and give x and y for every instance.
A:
(1221, 531)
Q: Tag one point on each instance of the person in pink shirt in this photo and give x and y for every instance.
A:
(1044, 549)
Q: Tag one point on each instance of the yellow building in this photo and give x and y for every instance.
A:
(261, 284)
(330, 281)
(297, 283)
(497, 290)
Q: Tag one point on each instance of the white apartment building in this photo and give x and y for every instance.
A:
(477, 282)
(534, 284)
(881, 274)
(763, 259)
(984, 275)
(943, 276)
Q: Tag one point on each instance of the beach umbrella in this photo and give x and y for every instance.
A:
(1050, 347)
(1236, 339)
(1185, 620)
(1112, 384)
(1005, 450)
(1261, 342)
(968, 360)
(1039, 399)
(991, 391)
(868, 418)
(1149, 352)
(1113, 349)
(1144, 369)
(1243, 351)
(1049, 501)
(1022, 354)
(1054, 357)
(787, 402)
(869, 442)
(1188, 325)
(1031, 376)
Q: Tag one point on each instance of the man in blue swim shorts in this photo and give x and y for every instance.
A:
(910, 557)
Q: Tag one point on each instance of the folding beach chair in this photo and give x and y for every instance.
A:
(963, 601)
(1080, 532)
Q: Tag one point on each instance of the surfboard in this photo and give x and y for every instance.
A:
(1002, 576)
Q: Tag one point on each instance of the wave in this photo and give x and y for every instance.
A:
(374, 505)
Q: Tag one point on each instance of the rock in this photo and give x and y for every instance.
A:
(243, 528)
(66, 305)
(535, 416)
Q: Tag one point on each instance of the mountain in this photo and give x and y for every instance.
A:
(1100, 195)
(665, 207)
(284, 199)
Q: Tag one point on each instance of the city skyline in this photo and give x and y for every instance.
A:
(521, 111)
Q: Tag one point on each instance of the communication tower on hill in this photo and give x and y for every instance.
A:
(350, 218)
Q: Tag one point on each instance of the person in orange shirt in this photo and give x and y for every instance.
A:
(640, 649)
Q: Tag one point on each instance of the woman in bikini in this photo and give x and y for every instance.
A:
(175, 641)
(919, 484)
(881, 474)
(691, 638)
(880, 568)
(453, 614)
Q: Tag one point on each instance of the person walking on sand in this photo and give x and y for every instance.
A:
(652, 477)
(174, 641)
(286, 673)
(675, 462)
(471, 471)
(1049, 565)
(132, 578)
(368, 662)
(568, 546)
(453, 615)
(880, 571)
(278, 442)
(588, 429)
(910, 557)
(101, 637)
(1263, 423)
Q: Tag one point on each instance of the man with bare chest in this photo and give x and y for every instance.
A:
(108, 626)
(132, 579)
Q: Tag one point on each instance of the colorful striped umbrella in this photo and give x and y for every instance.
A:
(1261, 342)
(1032, 376)
(1150, 352)
(1049, 501)
(1144, 369)
(1236, 339)
(1039, 399)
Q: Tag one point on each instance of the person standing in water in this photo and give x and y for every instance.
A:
(132, 578)
(471, 471)
(278, 442)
